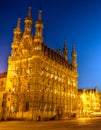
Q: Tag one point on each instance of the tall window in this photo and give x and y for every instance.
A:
(27, 106)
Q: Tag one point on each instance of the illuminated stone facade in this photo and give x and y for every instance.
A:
(100, 99)
(2, 91)
(41, 82)
(88, 102)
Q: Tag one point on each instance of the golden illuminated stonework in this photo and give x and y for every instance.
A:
(3, 77)
(88, 102)
(41, 83)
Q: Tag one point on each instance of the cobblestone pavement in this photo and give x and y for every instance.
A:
(77, 124)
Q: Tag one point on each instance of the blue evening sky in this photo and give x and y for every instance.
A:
(70, 20)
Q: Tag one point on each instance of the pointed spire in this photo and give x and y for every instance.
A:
(39, 28)
(18, 24)
(40, 16)
(73, 48)
(17, 30)
(30, 12)
(28, 22)
(17, 37)
(65, 50)
(74, 55)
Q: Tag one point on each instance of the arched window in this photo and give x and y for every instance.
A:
(1, 83)
(27, 106)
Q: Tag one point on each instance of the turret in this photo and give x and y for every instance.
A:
(74, 55)
(28, 23)
(39, 29)
(17, 32)
(17, 36)
(65, 52)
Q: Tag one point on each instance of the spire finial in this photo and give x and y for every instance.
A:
(74, 55)
(65, 48)
(65, 51)
(18, 24)
(29, 12)
(73, 47)
(40, 15)
(65, 44)
(28, 22)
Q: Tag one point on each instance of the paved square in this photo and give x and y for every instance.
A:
(77, 124)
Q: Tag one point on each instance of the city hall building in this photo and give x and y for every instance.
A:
(41, 82)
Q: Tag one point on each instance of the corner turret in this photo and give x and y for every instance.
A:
(17, 36)
(28, 23)
(39, 29)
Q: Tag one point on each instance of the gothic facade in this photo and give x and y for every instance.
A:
(88, 102)
(41, 82)
(3, 77)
